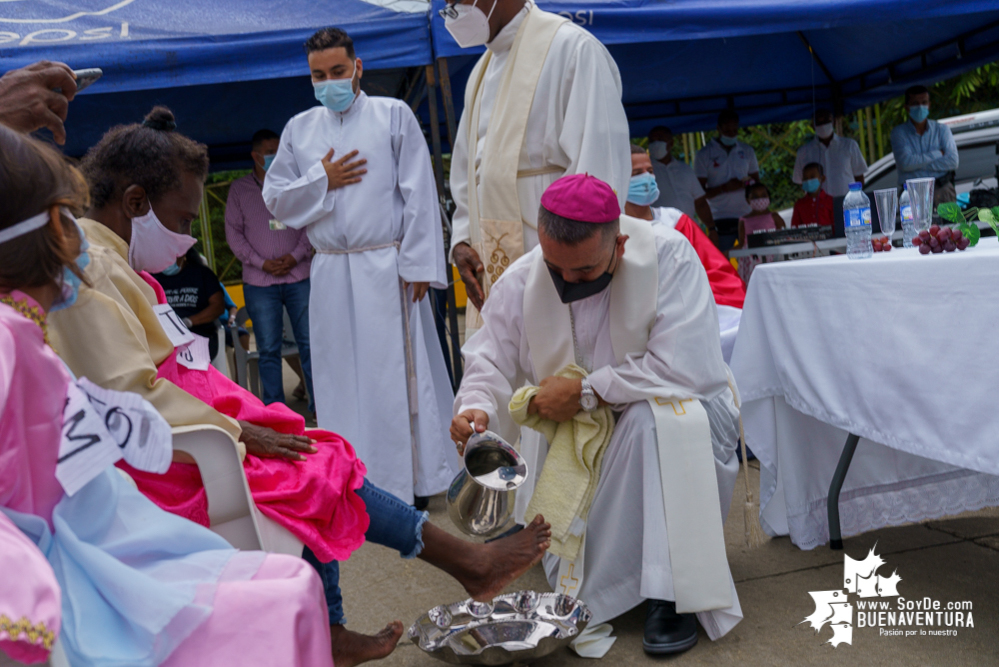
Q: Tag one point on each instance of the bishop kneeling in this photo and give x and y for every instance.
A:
(600, 350)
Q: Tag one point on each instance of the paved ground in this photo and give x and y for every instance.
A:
(952, 560)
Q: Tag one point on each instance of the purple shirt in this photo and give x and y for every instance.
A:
(247, 229)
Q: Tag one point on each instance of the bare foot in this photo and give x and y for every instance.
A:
(501, 562)
(352, 648)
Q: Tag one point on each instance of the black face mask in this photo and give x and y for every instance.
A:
(569, 292)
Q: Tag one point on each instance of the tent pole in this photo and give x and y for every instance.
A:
(881, 139)
(435, 137)
(870, 133)
(206, 230)
(452, 122)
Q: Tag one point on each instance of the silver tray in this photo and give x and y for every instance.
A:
(517, 628)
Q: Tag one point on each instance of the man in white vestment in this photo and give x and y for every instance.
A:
(630, 304)
(356, 173)
(544, 100)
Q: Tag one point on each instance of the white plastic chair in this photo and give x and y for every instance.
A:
(231, 510)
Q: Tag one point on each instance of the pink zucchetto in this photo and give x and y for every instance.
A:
(583, 198)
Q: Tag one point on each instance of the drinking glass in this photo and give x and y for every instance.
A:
(921, 199)
(887, 202)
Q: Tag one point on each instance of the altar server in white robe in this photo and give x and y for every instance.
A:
(629, 303)
(356, 173)
(544, 100)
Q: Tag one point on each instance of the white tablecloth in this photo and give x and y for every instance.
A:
(900, 349)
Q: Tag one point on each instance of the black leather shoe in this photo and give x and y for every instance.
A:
(421, 503)
(667, 631)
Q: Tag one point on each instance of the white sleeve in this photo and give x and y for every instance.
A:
(857, 163)
(696, 191)
(798, 176)
(296, 199)
(492, 358)
(594, 133)
(459, 183)
(421, 251)
(684, 356)
(700, 164)
(754, 166)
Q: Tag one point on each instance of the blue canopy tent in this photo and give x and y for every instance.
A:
(226, 68)
(682, 61)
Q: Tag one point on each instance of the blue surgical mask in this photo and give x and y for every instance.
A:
(727, 141)
(919, 113)
(643, 190)
(811, 185)
(171, 270)
(268, 161)
(70, 283)
(337, 94)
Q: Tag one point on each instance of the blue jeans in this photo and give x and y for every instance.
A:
(394, 524)
(266, 305)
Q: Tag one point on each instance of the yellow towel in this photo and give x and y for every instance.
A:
(569, 478)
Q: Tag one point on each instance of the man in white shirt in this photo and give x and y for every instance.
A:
(563, 116)
(678, 187)
(356, 173)
(840, 157)
(724, 166)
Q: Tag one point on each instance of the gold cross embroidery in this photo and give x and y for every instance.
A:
(677, 406)
(575, 582)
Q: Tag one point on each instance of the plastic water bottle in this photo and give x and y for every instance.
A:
(908, 224)
(857, 223)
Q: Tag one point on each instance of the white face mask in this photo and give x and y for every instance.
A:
(468, 24)
(657, 150)
(824, 131)
(153, 246)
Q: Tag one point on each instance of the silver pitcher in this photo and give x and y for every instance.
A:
(480, 499)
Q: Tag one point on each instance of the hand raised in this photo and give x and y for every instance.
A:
(341, 172)
(28, 101)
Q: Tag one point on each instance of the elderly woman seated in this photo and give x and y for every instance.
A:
(146, 185)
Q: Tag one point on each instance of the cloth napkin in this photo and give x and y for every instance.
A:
(569, 478)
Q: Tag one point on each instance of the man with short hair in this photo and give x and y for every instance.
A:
(610, 313)
(276, 262)
(925, 148)
(678, 187)
(840, 157)
(356, 173)
(544, 100)
(723, 167)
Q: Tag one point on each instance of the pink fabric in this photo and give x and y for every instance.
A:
(314, 499)
(274, 619)
(582, 197)
(33, 594)
(759, 222)
(275, 615)
(33, 384)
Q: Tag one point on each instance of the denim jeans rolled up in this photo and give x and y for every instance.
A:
(394, 524)
(265, 306)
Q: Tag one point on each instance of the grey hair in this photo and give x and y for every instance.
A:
(573, 232)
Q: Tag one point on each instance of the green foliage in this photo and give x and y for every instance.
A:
(227, 267)
(991, 216)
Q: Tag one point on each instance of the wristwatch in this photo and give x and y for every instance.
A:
(587, 397)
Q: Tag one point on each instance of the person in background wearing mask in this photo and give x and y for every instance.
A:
(678, 187)
(924, 148)
(377, 233)
(562, 115)
(816, 207)
(195, 294)
(723, 167)
(840, 157)
(726, 285)
(276, 263)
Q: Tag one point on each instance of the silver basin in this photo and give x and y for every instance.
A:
(517, 628)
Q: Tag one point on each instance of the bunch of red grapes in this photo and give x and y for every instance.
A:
(940, 239)
(882, 244)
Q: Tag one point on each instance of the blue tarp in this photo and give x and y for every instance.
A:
(682, 61)
(226, 67)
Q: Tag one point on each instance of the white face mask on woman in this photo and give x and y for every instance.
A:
(154, 247)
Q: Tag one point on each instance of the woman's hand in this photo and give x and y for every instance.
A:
(267, 443)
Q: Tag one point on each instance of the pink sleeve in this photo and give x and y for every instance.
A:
(160, 293)
(30, 603)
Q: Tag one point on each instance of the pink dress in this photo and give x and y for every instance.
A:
(29, 603)
(314, 499)
(758, 223)
(255, 610)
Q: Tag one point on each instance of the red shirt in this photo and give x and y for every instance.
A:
(726, 285)
(809, 210)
